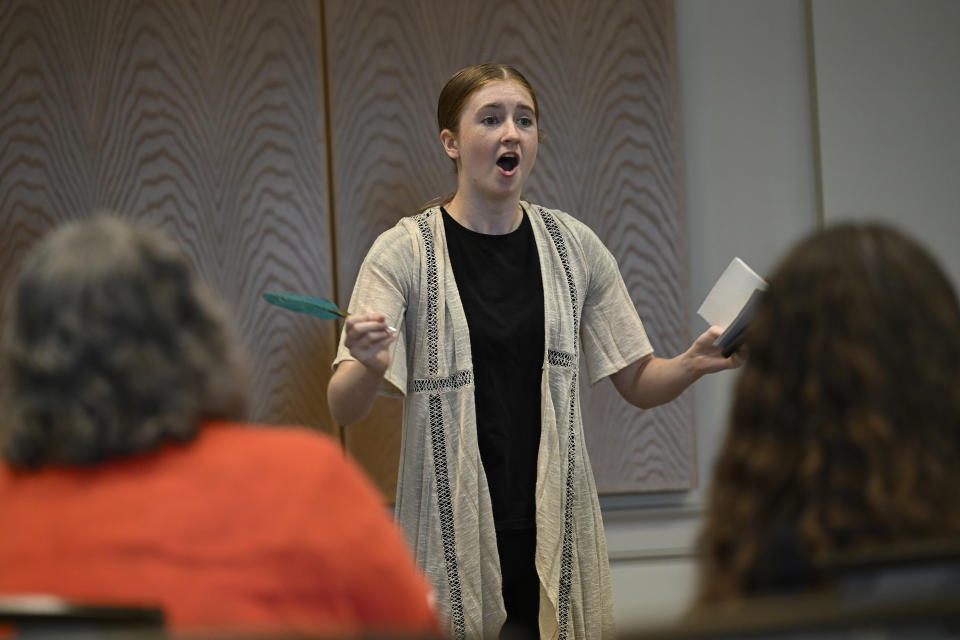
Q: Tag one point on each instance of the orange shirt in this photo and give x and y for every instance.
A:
(242, 528)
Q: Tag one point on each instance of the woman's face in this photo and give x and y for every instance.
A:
(496, 145)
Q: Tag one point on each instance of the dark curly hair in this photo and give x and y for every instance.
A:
(112, 347)
(845, 428)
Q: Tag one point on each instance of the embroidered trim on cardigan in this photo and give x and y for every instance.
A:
(566, 557)
(561, 359)
(438, 439)
(445, 503)
(433, 295)
(459, 379)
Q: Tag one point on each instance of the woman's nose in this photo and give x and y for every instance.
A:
(509, 131)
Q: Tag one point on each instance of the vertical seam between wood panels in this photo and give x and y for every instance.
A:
(814, 116)
(331, 200)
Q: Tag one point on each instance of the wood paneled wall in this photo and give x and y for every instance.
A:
(203, 118)
(210, 119)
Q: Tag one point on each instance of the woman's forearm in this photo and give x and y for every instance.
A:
(352, 391)
(653, 381)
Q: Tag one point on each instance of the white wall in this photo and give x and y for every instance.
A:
(888, 95)
(750, 192)
(795, 113)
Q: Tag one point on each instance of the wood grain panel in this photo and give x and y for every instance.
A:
(605, 75)
(201, 117)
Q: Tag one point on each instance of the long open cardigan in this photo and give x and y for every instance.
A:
(443, 502)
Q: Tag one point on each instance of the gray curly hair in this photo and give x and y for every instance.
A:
(112, 347)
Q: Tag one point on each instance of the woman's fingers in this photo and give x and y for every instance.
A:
(709, 358)
(372, 331)
(368, 333)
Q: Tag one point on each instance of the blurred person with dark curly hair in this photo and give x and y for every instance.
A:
(125, 477)
(845, 428)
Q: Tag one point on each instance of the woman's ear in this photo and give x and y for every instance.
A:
(449, 141)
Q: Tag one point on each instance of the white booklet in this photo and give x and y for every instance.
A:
(732, 302)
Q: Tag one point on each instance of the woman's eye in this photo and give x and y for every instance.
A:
(489, 120)
(525, 121)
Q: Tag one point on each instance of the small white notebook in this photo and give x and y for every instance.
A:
(730, 293)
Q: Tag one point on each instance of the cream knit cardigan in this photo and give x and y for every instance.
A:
(443, 503)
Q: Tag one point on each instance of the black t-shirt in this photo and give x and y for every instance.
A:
(498, 277)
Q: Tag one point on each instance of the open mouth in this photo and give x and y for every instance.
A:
(508, 162)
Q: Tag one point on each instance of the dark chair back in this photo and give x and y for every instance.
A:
(51, 617)
(909, 593)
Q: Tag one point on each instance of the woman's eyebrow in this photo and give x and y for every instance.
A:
(499, 105)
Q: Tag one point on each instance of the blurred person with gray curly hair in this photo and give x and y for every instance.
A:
(125, 476)
(113, 348)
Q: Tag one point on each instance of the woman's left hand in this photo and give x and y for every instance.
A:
(704, 357)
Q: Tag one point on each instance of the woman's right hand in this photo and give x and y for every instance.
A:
(368, 338)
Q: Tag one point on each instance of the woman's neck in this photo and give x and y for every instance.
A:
(491, 218)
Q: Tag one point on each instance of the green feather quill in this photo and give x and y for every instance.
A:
(319, 307)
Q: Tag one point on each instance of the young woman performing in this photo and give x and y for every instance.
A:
(495, 299)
